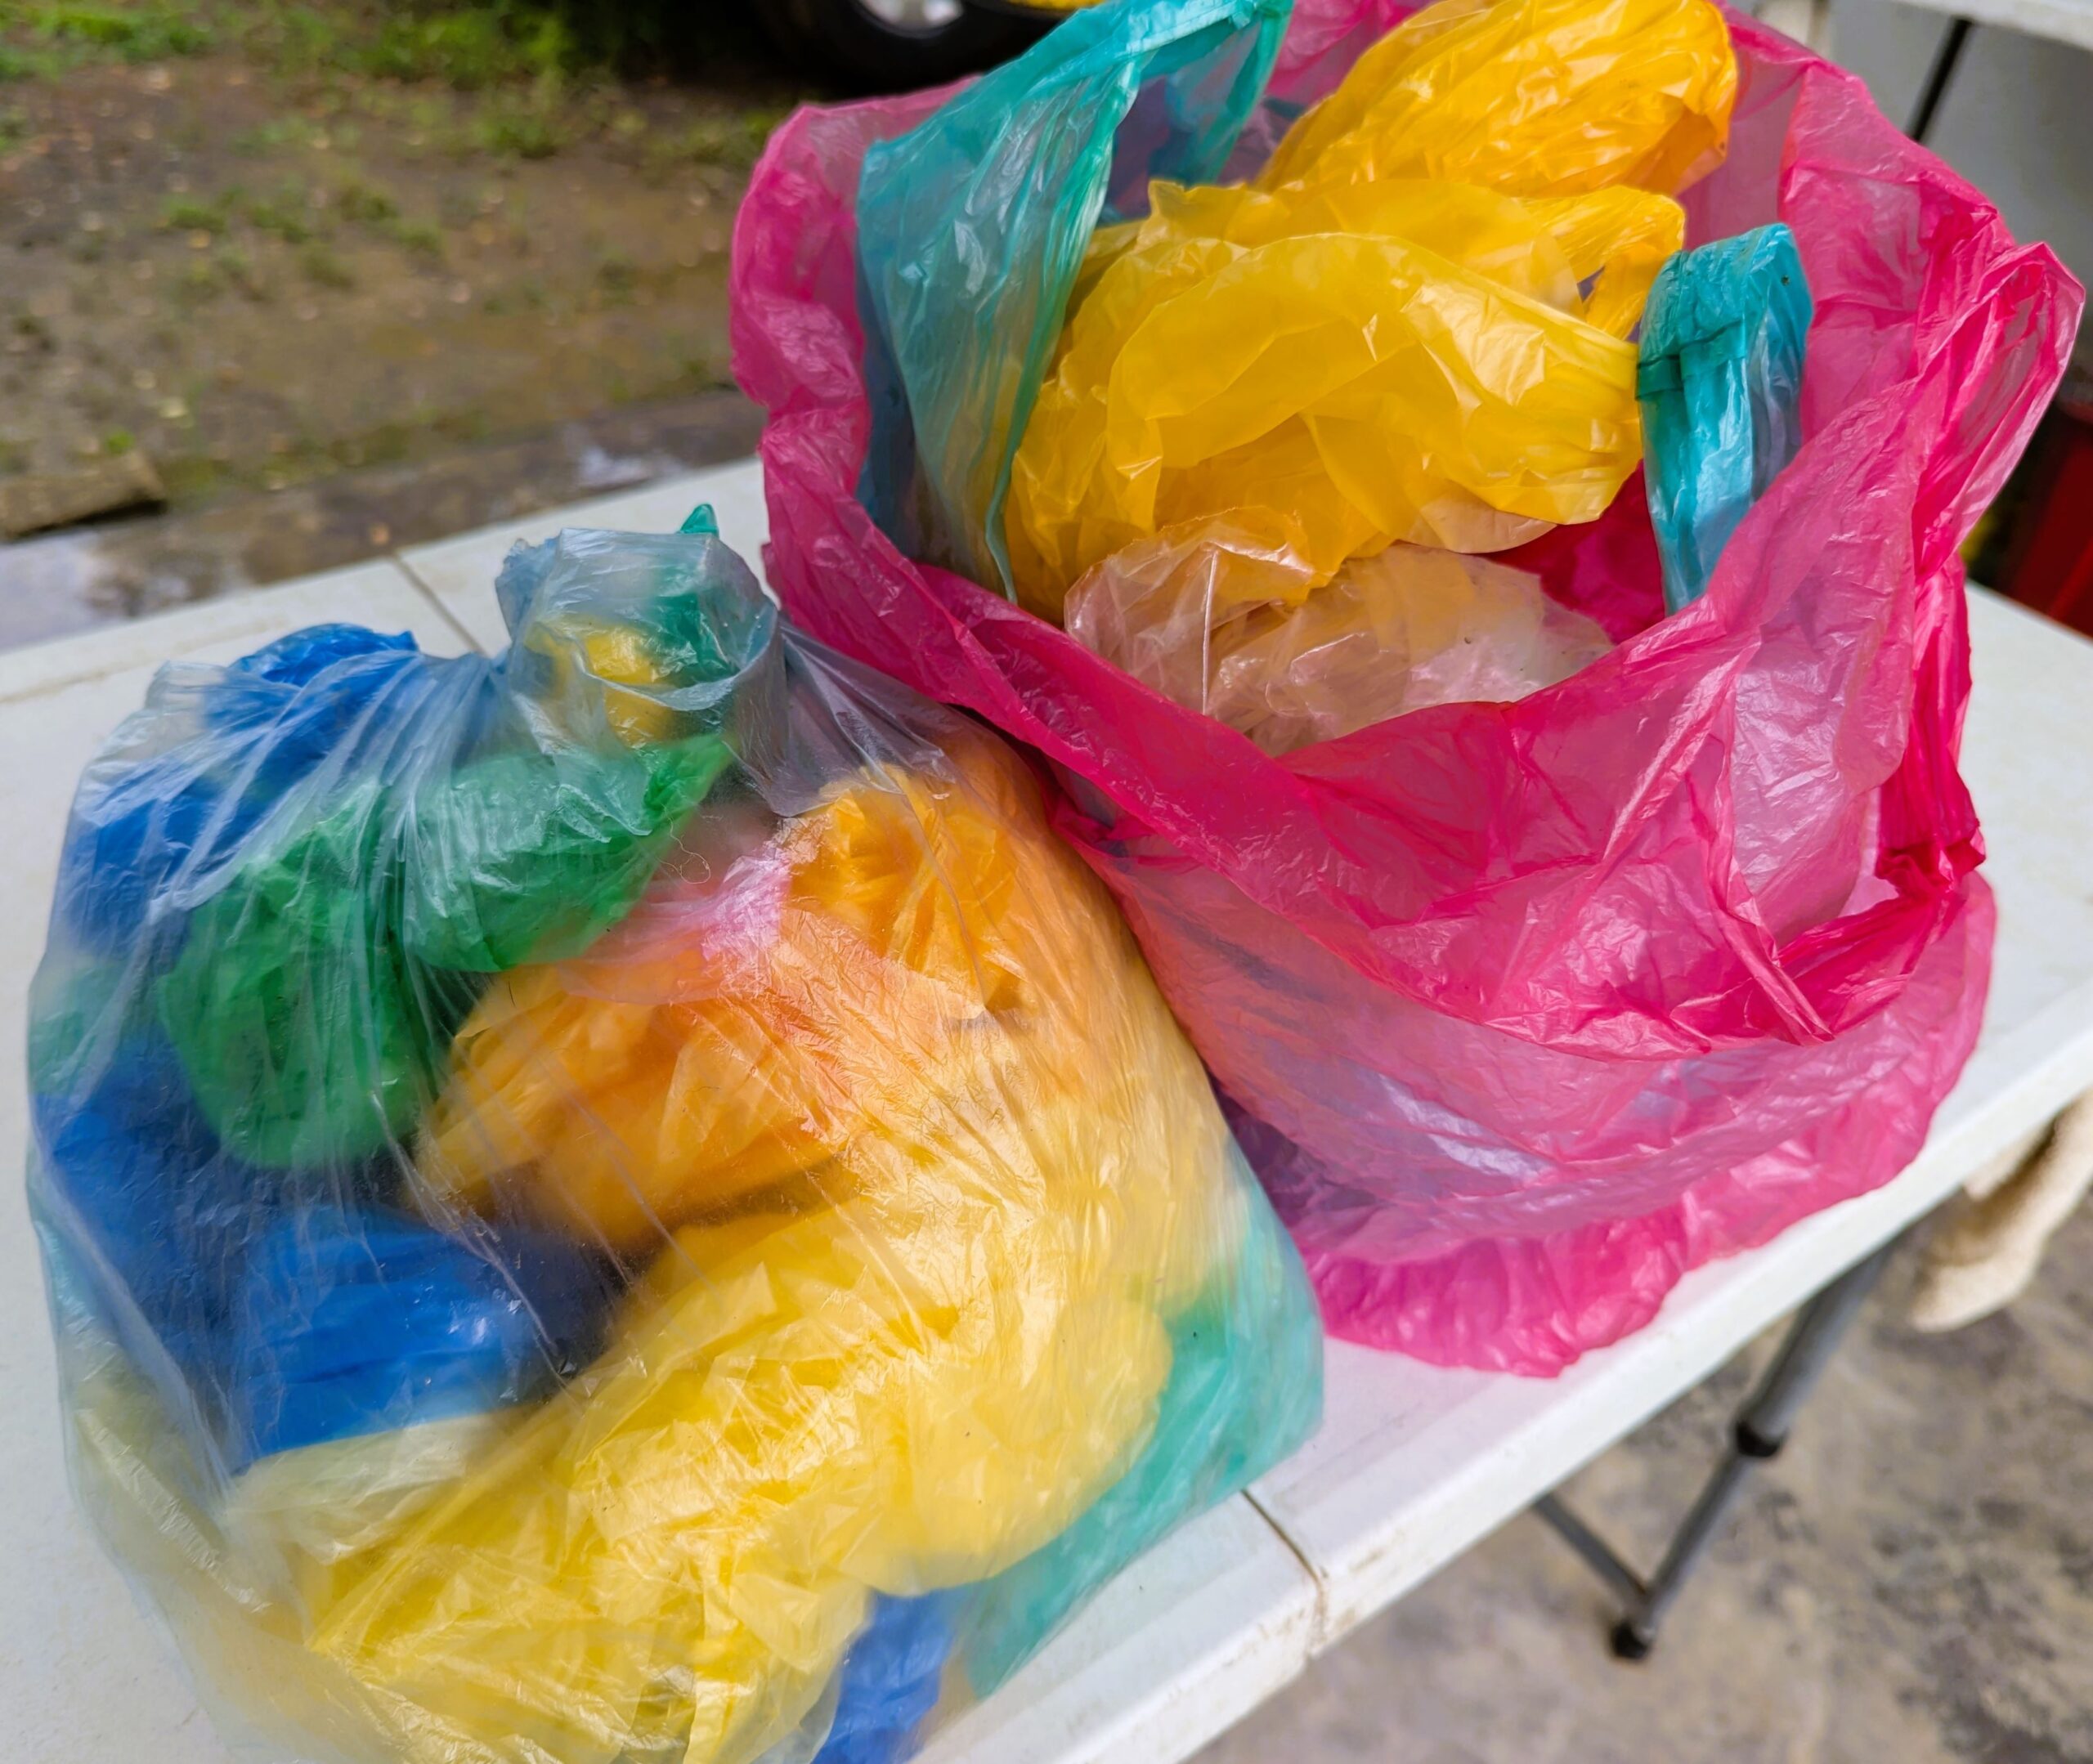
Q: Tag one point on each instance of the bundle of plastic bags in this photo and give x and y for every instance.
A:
(1526, 1006)
(1411, 329)
(625, 1201)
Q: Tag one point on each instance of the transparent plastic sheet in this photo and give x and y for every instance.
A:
(629, 1201)
(1407, 628)
(1719, 380)
(1534, 1006)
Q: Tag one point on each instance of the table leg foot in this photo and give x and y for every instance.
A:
(1757, 1434)
(1630, 1641)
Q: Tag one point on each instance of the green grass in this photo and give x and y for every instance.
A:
(420, 239)
(468, 45)
(529, 127)
(472, 48)
(513, 79)
(735, 141)
(325, 268)
(192, 214)
(287, 215)
(364, 205)
(147, 32)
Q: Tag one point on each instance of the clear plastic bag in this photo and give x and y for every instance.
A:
(1530, 1007)
(629, 1201)
(1405, 628)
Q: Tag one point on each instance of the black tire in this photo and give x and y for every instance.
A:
(854, 48)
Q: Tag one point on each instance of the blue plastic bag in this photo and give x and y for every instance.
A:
(1720, 381)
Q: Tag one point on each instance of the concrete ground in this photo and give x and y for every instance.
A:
(1911, 1582)
(66, 581)
(351, 274)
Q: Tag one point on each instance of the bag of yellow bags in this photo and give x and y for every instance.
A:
(1410, 331)
(1184, 380)
(625, 1202)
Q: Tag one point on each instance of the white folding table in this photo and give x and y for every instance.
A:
(1412, 1465)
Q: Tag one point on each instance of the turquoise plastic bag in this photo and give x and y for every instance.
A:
(971, 228)
(1720, 381)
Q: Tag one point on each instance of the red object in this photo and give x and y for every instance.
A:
(2051, 567)
(1528, 1008)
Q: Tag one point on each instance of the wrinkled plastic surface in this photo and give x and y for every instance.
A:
(1404, 628)
(1719, 380)
(1531, 1007)
(1412, 361)
(999, 191)
(1537, 97)
(627, 1202)
(1381, 358)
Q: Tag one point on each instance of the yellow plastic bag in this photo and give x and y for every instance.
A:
(1408, 361)
(922, 944)
(1538, 97)
(1409, 332)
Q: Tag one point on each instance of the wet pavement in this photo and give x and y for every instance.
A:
(63, 582)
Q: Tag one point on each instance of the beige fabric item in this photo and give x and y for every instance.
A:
(1986, 1251)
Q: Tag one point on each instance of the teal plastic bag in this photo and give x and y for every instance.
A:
(1720, 381)
(971, 228)
(1199, 1451)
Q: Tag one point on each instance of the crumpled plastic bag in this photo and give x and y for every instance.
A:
(1526, 1008)
(1720, 383)
(1258, 387)
(1536, 97)
(626, 1201)
(1410, 362)
(1371, 343)
(1406, 628)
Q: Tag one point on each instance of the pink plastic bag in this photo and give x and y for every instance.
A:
(1526, 1008)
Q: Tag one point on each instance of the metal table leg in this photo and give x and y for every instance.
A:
(1760, 1431)
(1942, 71)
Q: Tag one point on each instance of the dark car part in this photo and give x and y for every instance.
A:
(891, 45)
